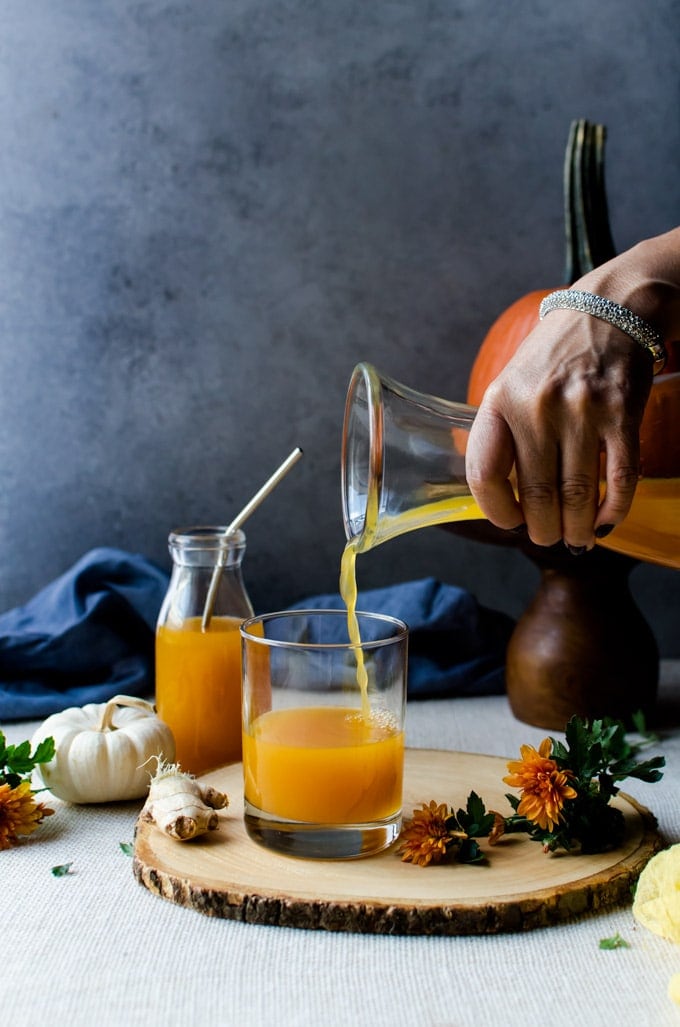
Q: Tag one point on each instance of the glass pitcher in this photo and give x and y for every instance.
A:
(403, 467)
(403, 460)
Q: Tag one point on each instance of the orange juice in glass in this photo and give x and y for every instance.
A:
(198, 662)
(323, 748)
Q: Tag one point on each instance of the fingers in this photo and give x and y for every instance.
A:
(512, 471)
(579, 487)
(547, 476)
(539, 495)
(548, 422)
(622, 473)
(601, 445)
(557, 488)
(489, 459)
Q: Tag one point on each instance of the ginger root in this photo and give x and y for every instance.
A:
(179, 805)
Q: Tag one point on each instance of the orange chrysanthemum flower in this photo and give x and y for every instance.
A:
(545, 787)
(426, 837)
(19, 813)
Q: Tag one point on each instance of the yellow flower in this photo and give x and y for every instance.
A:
(19, 813)
(545, 787)
(425, 837)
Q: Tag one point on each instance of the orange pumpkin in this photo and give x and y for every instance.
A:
(501, 341)
(508, 331)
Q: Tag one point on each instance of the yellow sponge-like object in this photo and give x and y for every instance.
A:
(657, 896)
(674, 988)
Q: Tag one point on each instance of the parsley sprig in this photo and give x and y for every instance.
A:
(615, 942)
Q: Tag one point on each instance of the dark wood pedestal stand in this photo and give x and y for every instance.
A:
(582, 646)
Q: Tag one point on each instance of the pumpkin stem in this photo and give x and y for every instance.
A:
(106, 723)
(588, 234)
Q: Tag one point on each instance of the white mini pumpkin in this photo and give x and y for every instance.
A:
(101, 750)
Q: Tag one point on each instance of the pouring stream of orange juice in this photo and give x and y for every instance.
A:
(458, 509)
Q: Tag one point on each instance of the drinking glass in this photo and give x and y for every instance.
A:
(323, 732)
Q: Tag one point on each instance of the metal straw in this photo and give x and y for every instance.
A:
(236, 524)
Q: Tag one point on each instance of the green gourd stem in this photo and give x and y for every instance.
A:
(603, 243)
(106, 723)
(588, 235)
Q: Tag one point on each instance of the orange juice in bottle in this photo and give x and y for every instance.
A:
(198, 661)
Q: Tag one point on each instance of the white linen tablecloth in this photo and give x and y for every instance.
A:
(96, 948)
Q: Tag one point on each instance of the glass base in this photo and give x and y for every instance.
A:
(320, 841)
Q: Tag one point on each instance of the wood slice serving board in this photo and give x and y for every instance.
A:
(226, 874)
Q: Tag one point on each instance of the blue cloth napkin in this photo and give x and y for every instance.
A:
(86, 637)
(456, 646)
(89, 635)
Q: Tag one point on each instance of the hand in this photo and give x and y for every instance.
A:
(562, 416)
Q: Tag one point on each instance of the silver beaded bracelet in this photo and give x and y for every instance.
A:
(607, 310)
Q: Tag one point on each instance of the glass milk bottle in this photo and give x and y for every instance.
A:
(198, 656)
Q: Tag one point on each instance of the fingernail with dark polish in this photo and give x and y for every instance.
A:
(603, 530)
(521, 529)
(576, 550)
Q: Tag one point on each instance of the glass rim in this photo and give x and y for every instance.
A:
(203, 536)
(364, 375)
(402, 630)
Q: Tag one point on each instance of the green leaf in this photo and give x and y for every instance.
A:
(475, 807)
(640, 725)
(18, 760)
(559, 753)
(62, 870)
(474, 819)
(639, 722)
(514, 800)
(470, 852)
(615, 942)
(647, 770)
(128, 848)
(578, 743)
(44, 751)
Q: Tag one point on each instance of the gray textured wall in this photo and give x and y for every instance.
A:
(211, 211)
